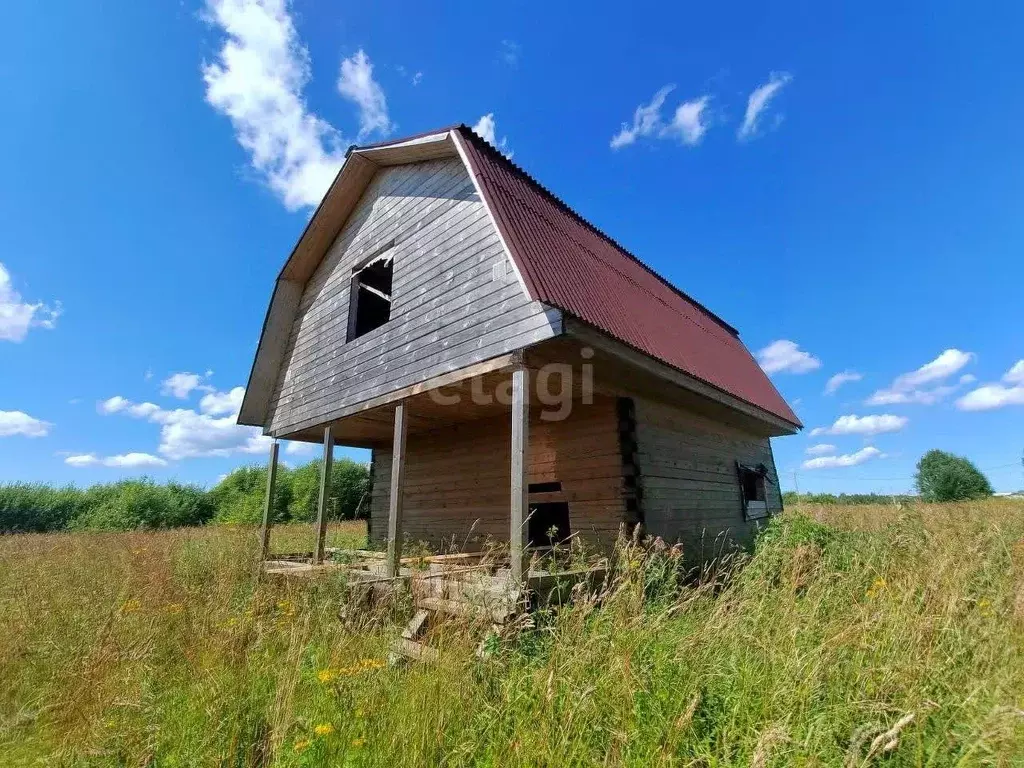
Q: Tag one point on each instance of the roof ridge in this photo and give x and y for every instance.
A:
(472, 135)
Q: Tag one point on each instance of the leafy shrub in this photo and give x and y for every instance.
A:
(134, 504)
(349, 481)
(943, 476)
(35, 508)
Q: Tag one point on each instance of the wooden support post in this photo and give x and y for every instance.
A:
(325, 489)
(397, 486)
(520, 459)
(268, 504)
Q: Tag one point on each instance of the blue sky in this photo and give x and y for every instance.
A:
(843, 186)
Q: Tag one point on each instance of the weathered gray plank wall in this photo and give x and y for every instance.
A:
(691, 491)
(452, 307)
(457, 481)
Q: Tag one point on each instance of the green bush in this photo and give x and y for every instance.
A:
(36, 508)
(135, 504)
(943, 476)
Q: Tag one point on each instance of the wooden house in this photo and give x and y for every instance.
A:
(517, 373)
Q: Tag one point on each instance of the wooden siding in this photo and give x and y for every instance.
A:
(456, 298)
(691, 491)
(457, 479)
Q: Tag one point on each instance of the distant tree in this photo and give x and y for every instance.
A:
(238, 498)
(349, 481)
(131, 504)
(943, 476)
(38, 508)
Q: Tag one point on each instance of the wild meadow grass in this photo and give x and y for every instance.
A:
(853, 636)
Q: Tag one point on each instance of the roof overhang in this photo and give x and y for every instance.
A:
(602, 342)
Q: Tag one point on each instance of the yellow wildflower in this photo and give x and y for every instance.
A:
(324, 729)
(985, 607)
(130, 606)
(302, 745)
(326, 675)
(175, 608)
(358, 742)
(876, 586)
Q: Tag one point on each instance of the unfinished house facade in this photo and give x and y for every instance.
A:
(519, 376)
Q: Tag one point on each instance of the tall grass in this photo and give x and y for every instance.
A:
(853, 636)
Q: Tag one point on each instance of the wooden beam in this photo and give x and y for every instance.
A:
(520, 462)
(397, 491)
(325, 489)
(499, 363)
(268, 504)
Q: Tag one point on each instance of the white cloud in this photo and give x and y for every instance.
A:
(1016, 373)
(845, 460)
(863, 425)
(784, 356)
(919, 386)
(689, 123)
(833, 384)
(356, 83)
(118, 404)
(124, 461)
(17, 315)
(417, 78)
(992, 396)
(820, 448)
(485, 128)
(646, 120)
(220, 403)
(20, 423)
(257, 82)
(510, 52)
(181, 385)
(186, 433)
(295, 448)
(758, 102)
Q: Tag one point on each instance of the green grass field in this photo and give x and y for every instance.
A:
(854, 636)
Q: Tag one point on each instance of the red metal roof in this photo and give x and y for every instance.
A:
(570, 264)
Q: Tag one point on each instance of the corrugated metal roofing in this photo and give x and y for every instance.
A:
(570, 264)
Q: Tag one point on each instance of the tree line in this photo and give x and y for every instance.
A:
(143, 503)
(940, 476)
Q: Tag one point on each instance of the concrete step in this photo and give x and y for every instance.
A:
(492, 613)
(416, 625)
(415, 651)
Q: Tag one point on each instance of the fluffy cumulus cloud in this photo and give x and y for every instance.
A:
(1010, 391)
(221, 403)
(821, 448)
(17, 316)
(834, 383)
(845, 460)
(20, 423)
(486, 129)
(688, 124)
(123, 461)
(759, 102)
(181, 385)
(356, 84)
(295, 448)
(187, 433)
(257, 81)
(928, 384)
(863, 425)
(784, 356)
